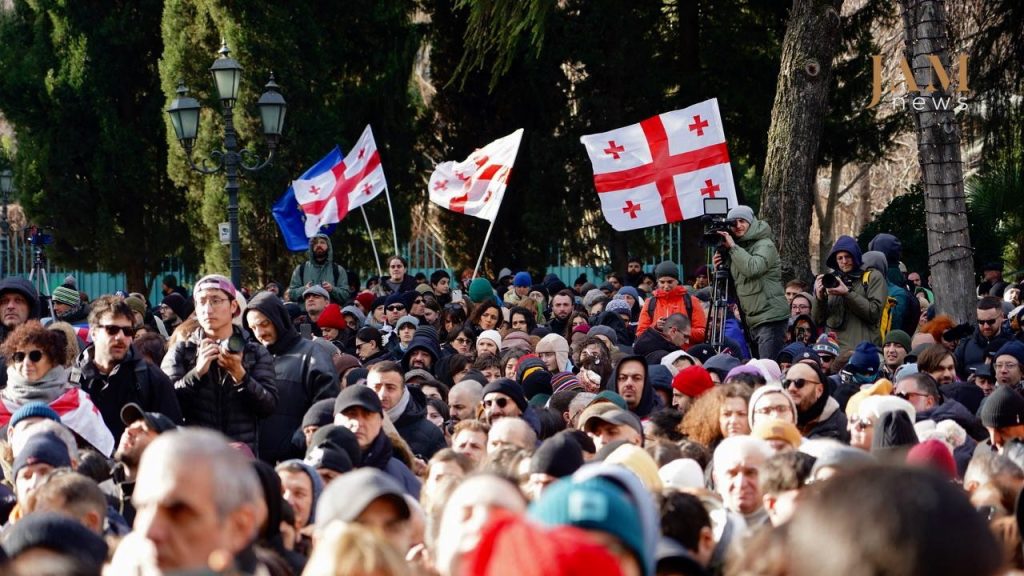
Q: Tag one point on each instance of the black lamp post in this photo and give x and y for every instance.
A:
(6, 187)
(184, 113)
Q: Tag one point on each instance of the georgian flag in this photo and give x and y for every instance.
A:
(476, 185)
(78, 413)
(660, 170)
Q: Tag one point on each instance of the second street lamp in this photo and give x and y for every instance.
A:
(185, 112)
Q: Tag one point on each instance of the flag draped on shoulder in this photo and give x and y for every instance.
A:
(660, 170)
(325, 193)
(476, 185)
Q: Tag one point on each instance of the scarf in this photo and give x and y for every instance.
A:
(47, 389)
(812, 413)
(379, 452)
(399, 409)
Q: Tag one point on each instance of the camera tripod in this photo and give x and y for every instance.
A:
(718, 311)
(39, 276)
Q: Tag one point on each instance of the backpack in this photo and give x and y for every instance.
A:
(885, 323)
(334, 268)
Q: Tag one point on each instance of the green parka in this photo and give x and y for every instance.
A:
(757, 273)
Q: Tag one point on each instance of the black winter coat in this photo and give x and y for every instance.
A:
(215, 400)
(423, 438)
(133, 380)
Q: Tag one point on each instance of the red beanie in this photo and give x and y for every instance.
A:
(693, 381)
(933, 454)
(331, 318)
(510, 544)
(365, 300)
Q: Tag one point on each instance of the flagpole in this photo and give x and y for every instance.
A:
(373, 245)
(391, 213)
(484, 249)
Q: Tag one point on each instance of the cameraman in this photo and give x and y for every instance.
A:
(757, 274)
(852, 306)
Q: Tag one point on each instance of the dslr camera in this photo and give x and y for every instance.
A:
(235, 344)
(830, 280)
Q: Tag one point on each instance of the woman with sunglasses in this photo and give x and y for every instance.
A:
(460, 341)
(862, 422)
(35, 360)
(453, 316)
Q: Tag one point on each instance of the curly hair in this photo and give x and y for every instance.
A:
(701, 422)
(51, 342)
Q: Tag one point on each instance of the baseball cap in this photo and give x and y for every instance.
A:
(316, 290)
(347, 496)
(361, 396)
(615, 417)
(155, 421)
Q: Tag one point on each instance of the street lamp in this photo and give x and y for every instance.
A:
(6, 187)
(184, 113)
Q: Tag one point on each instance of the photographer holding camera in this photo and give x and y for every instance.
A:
(757, 274)
(222, 381)
(849, 301)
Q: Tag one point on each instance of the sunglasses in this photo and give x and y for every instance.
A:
(34, 356)
(113, 330)
(395, 308)
(907, 395)
(988, 322)
(798, 383)
(501, 402)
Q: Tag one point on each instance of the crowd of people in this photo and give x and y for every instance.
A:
(628, 424)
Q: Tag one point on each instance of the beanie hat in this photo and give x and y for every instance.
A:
(176, 302)
(1012, 348)
(721, 364)
(639, 462)
(881, 387)
(774, 429)
(61, 534)
(43, 448)
(864, 360)
(629, 291)
(682, 473)
(491, 335)
(893, 430)
(591, 296)
(508, 388)
(702, 352)
(666, 268)
(66, 295)
(898, 337)
(1003, 407)
(480, 290)
(329, 456)
(33, 410)
(618, 306)
(428, 331)
(933, 454)
(365, 300)
(583, 328)
(331, 318)
(761, 391)
(536, 381)
(592, 504)
(558, 456)
(826, 345)
(525, 363)
(565, 381)
(743, 213)
(606, 331)
(844, 458)
(522, 280)
(693, 381)
(136, 304)
(407, 320)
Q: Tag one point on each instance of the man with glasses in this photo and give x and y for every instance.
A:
(674, 335)
(922, 391)
(502, 398)
(114, 374)
(817, 414)
(989, 335)
(394, 309)
(1007, 364)
(222, 381)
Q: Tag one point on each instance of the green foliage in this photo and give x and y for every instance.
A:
(78, 83)
(994, 198)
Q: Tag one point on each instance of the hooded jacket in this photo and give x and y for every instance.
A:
(649, 401)
(318, 273)
(132, 380)
(757, 273)
(892, 248)
(215, 400)
(423, 438)
(422, 342)
(855, 316)
(304, 375)
(25, 288)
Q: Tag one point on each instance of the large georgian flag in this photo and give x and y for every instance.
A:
(660, 170)
(476, 185)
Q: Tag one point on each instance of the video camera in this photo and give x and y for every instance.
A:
(36, 237)
(715, 221)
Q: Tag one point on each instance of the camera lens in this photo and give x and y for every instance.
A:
(830, 281)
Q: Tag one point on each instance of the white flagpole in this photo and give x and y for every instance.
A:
(482, 250)
(394, 230)
(373, 245)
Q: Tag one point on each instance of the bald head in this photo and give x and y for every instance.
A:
(464, 398)
(511, 432)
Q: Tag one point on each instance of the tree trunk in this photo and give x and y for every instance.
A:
(827, 217)
(798, 118)
(938, 148)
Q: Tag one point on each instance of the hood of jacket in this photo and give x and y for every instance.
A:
(614, 321)
(875, 260)
(330, 250)
(26, 289)
(758, 230)
(648, 400)
(268, 304)
(422, 342)
(887, 244)
(844, 244)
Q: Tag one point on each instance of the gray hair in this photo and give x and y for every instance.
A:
(234, 478)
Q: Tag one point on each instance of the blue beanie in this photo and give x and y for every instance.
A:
(33, 410)
(522, 280)
(43, 448)
(865, 359)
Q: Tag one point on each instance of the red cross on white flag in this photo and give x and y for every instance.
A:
(660, 170)
(363, 161)
(476, 185)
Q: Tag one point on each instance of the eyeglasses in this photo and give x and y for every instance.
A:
(907, 395)
(500, 402)
(769, 410)
(798, 383)
(113, 330)
(462, 340)
(1005, 365)
(395, 308)
(213, 302)
(360, 345)
(33, 356)
(988, 322)
(418, 301)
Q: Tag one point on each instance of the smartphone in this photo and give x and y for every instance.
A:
(306, 330)
(456, 295)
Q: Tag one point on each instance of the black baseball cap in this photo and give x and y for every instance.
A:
(359, 395)
(155, 421)
(347, 496)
